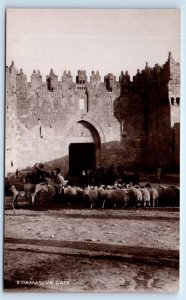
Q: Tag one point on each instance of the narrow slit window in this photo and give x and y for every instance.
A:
(172, 100)
(123, 132)
(178, 100)
(122, 126)
(81, 104)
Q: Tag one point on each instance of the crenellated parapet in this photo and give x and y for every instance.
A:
(137, 80)
(148, 76)
(11, 73)
(158, 75)
(95, 78)
(36, 79)
(67, 77)
(142, 81)
(81, 78)
(21, 80)
(11, 69)
(110, 81)
(125, 83)
(52, 81)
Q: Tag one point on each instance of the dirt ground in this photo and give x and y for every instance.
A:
(82, 250)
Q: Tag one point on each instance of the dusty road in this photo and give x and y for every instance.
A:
(92, 250)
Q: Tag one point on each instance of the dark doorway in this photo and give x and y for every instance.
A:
(81, 157)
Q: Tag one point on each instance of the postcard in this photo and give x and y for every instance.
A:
(92, 145)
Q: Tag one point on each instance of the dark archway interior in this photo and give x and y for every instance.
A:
(82, 156)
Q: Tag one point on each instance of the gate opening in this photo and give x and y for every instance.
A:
(81, 157)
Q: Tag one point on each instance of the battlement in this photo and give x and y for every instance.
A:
(36, 79)
(168, 73)
(52, 81)
(81, 78)
(67, 77)
(95, 77)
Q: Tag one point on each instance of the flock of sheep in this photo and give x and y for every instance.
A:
(110, 196)
(120, 196)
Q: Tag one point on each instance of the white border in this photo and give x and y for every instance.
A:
(100, 4)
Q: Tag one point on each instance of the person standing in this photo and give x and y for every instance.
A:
(61, 182)
(159, 174)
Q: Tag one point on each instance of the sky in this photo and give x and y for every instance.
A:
(108, 40)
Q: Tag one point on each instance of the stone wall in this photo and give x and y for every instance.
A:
(127, 120)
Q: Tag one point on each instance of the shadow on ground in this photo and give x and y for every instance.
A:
(129, 253)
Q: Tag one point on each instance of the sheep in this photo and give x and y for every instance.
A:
(176, 201)
(154, 197)
(113, 197)
(118, 198)
(135, 197)
(16, 193)
(103, 194)
(104, 197)
(79, 192)
(145, 196)
(37, 188)
(90, 196)
(172, 194)
(169, 196)
(70, 194)
(161, 198)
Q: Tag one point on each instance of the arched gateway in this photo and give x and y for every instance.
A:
(83, 139)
